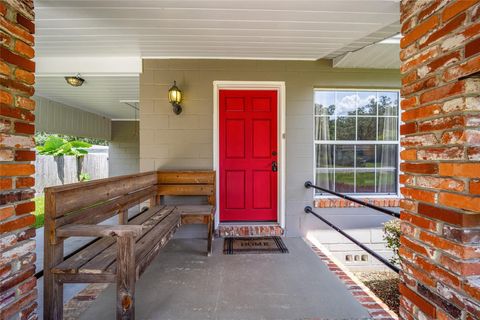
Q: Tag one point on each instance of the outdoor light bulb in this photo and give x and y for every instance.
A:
(174, 94)
(75, 81)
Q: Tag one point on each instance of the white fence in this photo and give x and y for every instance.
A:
(54, 171)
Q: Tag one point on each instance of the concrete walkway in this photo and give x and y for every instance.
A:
(182, 283)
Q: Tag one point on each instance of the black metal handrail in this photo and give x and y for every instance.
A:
(309, 209)
(309, 184)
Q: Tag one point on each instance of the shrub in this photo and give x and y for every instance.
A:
(84, 177)
(392, 234)
(56, 146)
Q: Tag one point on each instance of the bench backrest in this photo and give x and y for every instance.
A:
(187, 183)
(95, 201)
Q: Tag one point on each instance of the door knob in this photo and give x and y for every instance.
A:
(274, 166)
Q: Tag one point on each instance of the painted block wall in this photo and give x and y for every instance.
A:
(168, 141)
(124, 148)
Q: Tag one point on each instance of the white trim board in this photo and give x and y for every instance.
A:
(278, 86)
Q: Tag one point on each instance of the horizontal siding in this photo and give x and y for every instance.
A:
(55, 117)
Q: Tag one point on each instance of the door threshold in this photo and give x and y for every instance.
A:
(249, 223)
(249, 229)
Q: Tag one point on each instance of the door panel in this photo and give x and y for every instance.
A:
(261, 189)
(235, 189)
(235, 138)
(248, 149)
(262, 131)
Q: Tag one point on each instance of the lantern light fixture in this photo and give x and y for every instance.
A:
(175, 98)
(75, 81)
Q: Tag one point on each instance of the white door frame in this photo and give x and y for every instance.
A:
(278, 86)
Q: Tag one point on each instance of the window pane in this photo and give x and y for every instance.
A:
(346, 103)
(324, 102)
(367, 128)
(365, 181)
(387, 128)
(386, 181)
(388, 103)
(324, 179)
(357, 115)
(366, 156)
(346, 128)
(387, 156)
(344, 181)
(367, 102)
(344, 156)
(324, 128)
(324, 155)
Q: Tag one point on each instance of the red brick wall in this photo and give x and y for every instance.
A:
(441, 159)
(341, 203)
(17, 243)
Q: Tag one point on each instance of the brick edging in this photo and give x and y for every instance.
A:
(79, 303)
(225, 231)
(376, 308)
(341, 203)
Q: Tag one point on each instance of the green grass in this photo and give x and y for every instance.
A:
(39, 211)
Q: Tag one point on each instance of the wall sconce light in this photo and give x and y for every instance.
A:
(75, 81)
(175, 97)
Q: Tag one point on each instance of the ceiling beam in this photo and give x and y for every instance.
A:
(337, 61)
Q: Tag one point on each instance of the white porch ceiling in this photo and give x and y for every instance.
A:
(94, 36)
(99, 94)
(267, 29)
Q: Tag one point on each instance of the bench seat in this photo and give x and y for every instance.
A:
(200, 214)
(99, 259)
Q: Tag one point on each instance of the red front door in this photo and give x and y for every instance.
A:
(248, 155)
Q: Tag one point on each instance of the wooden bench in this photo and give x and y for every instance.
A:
(171, 183)
(122, 252)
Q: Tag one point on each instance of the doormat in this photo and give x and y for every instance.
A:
(243, 245)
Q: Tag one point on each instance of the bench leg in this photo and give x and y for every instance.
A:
(210, 226)
(52, 288)
(53, 299)
(126, 278)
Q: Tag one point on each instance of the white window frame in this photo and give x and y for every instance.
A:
(359, 142)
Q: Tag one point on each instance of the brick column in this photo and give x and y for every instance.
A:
(440, 53)
(17, 238)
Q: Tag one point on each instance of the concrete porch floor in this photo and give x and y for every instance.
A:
(182, 283)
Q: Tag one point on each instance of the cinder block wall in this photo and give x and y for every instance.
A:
(440, 249)
(124, 148)
(168, 141)
(17, 238)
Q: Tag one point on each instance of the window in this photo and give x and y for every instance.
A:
(356, 141)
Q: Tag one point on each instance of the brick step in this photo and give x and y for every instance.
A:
(248, 230)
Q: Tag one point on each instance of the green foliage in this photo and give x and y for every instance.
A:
(56, 146)
(41, 138)
(392, 234)
(39, 212)
(84, 177)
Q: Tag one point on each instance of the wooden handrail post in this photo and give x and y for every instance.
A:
(53, 255)
(126, 278)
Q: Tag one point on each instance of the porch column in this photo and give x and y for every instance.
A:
(440, 54)
(17, 236)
